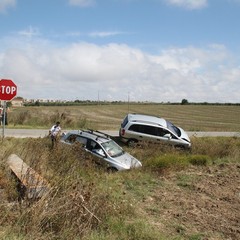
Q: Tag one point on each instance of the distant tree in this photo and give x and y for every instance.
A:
(8, 104)
(37, 103)
(184, 101)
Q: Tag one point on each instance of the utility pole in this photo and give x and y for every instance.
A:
(128, 101)
(98, 97)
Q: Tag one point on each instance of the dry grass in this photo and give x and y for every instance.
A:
(109, 117)
(75, 204)
(85, 202)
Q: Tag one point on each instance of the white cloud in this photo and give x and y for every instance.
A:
(97, 34)
(29, 32)
(190, 59)
(114, 71)
(188, 4)
(4, 4)
(105, 34)
(82, 3)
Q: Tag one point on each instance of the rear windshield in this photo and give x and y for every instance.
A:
(125, 121)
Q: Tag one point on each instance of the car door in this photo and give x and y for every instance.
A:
(142, 132)
(155, 134)
(97, 152)
(81, 140)
(165, 136)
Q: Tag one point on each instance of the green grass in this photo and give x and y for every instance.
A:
(185, 180)
(86, 202)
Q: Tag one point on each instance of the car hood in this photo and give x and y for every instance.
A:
(127, 161)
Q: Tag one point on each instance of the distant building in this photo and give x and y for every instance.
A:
(17, 102)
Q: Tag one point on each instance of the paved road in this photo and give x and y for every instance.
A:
(35, 133)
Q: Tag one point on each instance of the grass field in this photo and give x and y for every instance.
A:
(109, 116)
(176, 195)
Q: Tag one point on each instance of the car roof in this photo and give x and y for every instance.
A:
(91, 134)
(132, 117)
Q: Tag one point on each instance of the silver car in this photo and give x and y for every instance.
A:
(105, 151)
(140, 127)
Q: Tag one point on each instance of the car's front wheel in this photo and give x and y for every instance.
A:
(132, 142)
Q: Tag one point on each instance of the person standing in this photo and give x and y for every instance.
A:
(55, 132)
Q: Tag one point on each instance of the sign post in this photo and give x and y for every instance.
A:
(8, 90)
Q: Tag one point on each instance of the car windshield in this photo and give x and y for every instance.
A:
(112, 148)
(173, 128)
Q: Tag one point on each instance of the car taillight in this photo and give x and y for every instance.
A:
(123, 132)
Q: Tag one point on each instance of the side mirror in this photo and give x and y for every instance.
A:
(100, 152)
(168, 135)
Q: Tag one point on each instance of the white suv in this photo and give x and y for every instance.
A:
(139, 127)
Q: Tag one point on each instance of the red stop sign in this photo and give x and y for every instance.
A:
(8, 89)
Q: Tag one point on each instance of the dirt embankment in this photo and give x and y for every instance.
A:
(201, 201)
(197, 203)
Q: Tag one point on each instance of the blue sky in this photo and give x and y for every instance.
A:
(145, 50)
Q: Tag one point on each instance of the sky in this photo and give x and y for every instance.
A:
(121, 50)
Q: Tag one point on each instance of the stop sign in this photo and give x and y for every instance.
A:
(8, 89)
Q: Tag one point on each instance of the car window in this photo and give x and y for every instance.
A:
(98, 150)
(161, 132)
(144, 129)
(81, 140)
(112, 148)
(90, 144)
(135, 128)
(149, 130)
(71, 138)
(173, 128)
(125, 121)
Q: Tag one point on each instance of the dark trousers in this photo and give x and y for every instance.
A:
(54, 140)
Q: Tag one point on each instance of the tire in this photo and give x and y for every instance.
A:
(132, 142)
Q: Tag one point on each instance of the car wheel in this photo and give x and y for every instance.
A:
(132, 142)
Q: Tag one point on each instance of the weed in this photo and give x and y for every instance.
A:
(180, 229)
(22, 117)
(85, 202)
(38, 117)
(122, 229)
(196, 237)
(199, 160)
(167, 161)
(215, 147)
(185, 181)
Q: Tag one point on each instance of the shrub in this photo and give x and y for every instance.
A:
(167, 161)
(19, 118)
(199, 160)
(218, 147)
(74, 205)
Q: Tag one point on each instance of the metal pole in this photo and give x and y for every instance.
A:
(98, 98)
(3, 120)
